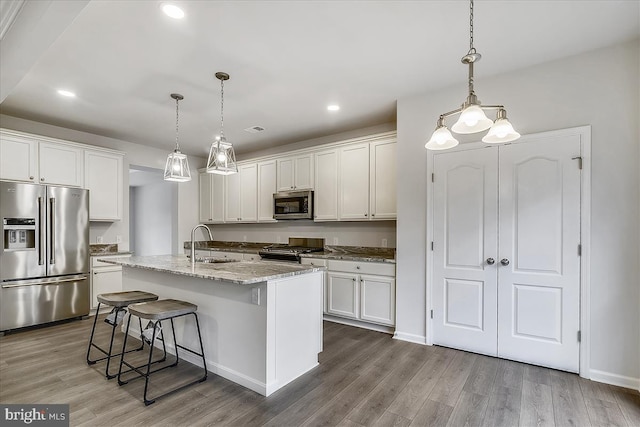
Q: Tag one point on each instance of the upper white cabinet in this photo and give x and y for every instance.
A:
(211, 197)
(103, 179)
(382, 180)
(267, 185)
(241, 194)
(25, 158)
(326, 189)
(354, 182)
(295, 172)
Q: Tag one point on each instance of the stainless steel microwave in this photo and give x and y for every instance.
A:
(293, 205)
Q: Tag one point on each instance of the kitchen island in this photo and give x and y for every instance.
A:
(261, 321)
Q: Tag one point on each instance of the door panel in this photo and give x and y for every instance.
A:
(343, 296)
(539, 296)
(465, 230)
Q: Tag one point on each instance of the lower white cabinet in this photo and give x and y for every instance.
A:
(320, 263)
(105, 278)
(364, 291)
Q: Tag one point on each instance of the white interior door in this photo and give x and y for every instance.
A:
(465, 235)
(539, 290)
(520, 205)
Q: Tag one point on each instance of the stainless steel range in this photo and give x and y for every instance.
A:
(292, 251)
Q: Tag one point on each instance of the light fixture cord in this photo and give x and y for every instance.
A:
(177, 115)
(221, 109)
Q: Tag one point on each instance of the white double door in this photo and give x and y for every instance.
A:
(506, 263)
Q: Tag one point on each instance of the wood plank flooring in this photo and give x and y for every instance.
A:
(365, 378)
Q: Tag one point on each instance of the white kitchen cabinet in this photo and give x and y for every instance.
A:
(354, 182)
(362, 290)
(103, 179)
(343, 294)
(382, 174)
(105, 278)
(212, 201)
(267, 185)
(320, 263)
(26, 158)
(295, 172)
(232, 197)
(205, 214)
(248, 192)
(326, 186)
(241, 195)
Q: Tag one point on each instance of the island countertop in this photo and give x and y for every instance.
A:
(238, 272)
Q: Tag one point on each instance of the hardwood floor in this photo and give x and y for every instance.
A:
(365, 378)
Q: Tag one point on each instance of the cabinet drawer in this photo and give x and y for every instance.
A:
(314, 261)
(379, 268)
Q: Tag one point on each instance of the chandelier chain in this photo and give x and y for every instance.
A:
(471, 48)
(222, 108)
(177, 146)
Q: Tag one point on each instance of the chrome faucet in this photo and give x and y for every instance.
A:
(193, 243)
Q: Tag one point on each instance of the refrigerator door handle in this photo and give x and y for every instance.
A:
(52, 232)
(47, 281)
(41, 219)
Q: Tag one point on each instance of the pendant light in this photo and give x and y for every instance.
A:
(472, 116)
(177, 167)
(222, 158)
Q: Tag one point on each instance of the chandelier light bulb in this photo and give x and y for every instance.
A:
(501, 131)
(472, 120)
(441, 139)
(222, 157)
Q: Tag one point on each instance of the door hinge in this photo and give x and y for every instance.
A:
(432, 314)
(579, 159)
(579, 249)
(433, 177)
(579, 336)
(431, 245)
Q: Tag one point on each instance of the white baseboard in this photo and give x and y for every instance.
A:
(614, 379)
(417, 339)
(359, 324)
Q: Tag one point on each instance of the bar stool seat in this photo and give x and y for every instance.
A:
(156, 312)
(119, 301)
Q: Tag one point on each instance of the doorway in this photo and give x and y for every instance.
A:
(151, 211)
(506, 261)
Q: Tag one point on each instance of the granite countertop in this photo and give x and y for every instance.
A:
(355, 253)
(104, 249)
(347, 253)
(238, 272)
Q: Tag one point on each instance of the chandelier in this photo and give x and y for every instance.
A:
(472, 117)
(177, 166)
(222, 158)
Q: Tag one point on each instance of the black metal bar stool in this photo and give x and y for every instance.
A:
(156, 312)
(119, 301)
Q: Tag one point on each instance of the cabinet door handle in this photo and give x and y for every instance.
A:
(30, 177)
(357, 267)
(490, 261)
(373, 214)
(354, 279)
(504, 261)
(365, 214)
(42, 179)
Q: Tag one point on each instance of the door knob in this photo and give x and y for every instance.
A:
(491, 261)
(504, 261)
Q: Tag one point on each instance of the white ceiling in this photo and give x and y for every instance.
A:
(287, 59)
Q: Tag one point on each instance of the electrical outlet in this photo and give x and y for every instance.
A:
(99, 239)
(118, 239)
(255, 296)
(384, 243)
(335, 240)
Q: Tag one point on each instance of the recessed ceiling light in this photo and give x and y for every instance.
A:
(333, 107)
(66, 93)
(172, 11)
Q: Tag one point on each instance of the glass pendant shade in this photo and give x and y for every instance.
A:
(222, 158)
(177, 167)
(501, 131)
(441, 139)
(472, 120)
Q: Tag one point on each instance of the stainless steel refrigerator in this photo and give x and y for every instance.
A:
(44, 258)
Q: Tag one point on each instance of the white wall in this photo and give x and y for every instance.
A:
(600, 89)
(347, 233)
(185, 207)
(151, 215)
